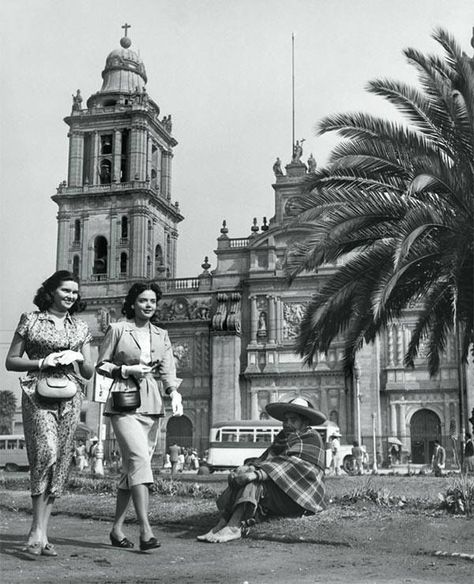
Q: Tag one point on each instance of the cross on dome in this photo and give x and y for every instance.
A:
(126, 26)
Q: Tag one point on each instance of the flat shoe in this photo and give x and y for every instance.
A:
(150, 544)
(33, 549)
(121, 543)
(48, 550)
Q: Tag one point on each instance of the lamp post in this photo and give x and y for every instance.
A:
(98, 469)
(357, 381)
(374, 466)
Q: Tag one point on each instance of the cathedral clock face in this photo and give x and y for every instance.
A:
(291, 209)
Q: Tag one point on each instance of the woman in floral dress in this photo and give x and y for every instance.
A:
(50, 342)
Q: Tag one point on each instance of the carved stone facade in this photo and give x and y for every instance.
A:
(232, 329)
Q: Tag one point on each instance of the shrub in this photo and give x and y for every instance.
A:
(459, 497)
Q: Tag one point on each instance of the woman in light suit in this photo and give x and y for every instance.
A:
(133, 352)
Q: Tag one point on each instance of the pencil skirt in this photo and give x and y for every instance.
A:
(136, 435)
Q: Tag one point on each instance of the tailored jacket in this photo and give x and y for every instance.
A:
(121, 346)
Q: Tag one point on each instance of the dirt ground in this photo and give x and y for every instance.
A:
(357, 545)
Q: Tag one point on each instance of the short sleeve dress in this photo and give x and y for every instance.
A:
(50, 427)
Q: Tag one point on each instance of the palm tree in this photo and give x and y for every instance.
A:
(396, 203)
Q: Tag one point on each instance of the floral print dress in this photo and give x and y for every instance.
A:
(50, 427)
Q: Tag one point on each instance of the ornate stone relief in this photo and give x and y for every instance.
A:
(227, 315)
(292, 315)
(182, 355)
(180, 309)
(103, 319)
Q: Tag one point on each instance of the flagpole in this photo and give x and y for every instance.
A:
(292, 91)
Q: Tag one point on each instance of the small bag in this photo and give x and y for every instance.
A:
(126, 401)
(56, 388)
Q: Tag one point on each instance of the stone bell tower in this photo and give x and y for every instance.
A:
(116, 221)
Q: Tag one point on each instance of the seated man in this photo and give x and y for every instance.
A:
(286, 480)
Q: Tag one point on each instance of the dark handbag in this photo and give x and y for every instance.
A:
(126, 401)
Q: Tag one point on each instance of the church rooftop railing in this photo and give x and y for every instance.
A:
(179, 284)
(239, 242)
(113, 186)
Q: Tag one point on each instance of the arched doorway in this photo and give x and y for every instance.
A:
(425, 428)
(179, 430)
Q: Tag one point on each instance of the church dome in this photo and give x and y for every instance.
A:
(124, 71)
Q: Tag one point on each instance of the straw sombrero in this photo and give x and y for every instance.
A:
(299, 406)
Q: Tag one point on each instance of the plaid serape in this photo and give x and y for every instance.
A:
(298, 468)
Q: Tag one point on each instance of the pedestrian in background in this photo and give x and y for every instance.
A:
(53, 344)
(81, 456)
(438, 460)
(469, 453)
(175, 451)
(358, 454)
(132, 352)
(335, 454)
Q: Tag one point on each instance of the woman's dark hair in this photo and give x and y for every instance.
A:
(134, 293)
(44, 297)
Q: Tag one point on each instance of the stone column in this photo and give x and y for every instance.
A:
(117, 156)
(85, 268)
(134, 150)
(165, 173)
(278, 320)
(390, 346)
(403, 414)
(113, 267)
(94, 178)
(138, 247)
(143, 153)
(393, 419)
(62, 241)
(253, 320)
(400, 344)
(271, 320)
(76, 158)
(226, 349)
(149, 156)
(254, 405)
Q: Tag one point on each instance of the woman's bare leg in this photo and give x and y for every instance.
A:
(140, 495)
(121, 506)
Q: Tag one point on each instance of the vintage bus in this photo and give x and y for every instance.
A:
(230, 443)
(13, 452)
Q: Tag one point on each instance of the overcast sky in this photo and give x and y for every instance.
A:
(222, 69)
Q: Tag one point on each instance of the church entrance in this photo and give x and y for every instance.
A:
(179, 430)
(425, 428)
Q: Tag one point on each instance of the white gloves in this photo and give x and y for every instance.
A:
(62, 358)
(176, 403)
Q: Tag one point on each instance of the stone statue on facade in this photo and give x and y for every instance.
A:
(277, 168)
(167, 123)
(311, 164)
(298, 152)
(77, 101)
(262, 324)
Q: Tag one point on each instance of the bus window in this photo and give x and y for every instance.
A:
(11, 444)
(245, 436)
(229, 435)
(22, 444)
(2, 444)
(263, 435)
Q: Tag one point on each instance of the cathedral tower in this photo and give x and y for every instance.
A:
(116, 221)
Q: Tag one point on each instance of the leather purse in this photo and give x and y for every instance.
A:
(126, 401)
(56, 388)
